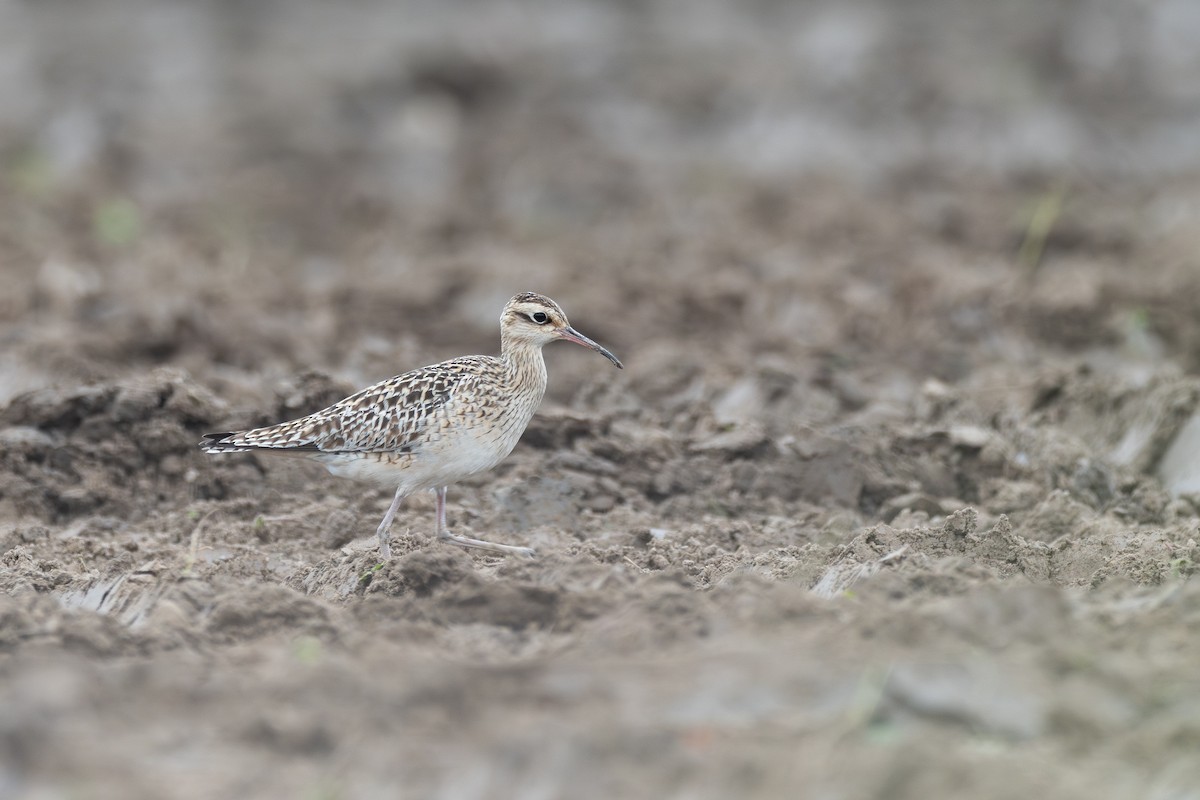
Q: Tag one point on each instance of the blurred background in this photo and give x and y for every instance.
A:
(305, 159)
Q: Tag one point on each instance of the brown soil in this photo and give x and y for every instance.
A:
(893, 499)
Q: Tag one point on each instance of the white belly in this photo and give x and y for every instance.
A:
(449, 453)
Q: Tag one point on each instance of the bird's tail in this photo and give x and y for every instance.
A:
(226, 442)
(286, 438)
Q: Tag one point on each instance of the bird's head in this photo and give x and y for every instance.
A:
(536, 319)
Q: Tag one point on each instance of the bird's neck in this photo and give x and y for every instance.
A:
(526, 367)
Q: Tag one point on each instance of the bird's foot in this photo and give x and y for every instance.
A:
(492, 547)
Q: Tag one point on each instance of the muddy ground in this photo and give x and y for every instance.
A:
(897, 496)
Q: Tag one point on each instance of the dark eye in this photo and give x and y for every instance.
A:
(539, 317)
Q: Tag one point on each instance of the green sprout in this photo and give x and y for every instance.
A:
(117, 222)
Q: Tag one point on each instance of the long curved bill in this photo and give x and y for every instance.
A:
(572, 335)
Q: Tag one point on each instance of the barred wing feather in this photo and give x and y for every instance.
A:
(390, 416)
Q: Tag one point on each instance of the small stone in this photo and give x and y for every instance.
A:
(969, 437)
(741, 440)
(912, 501)
(24, 437)
(740, 404)
(601, 503)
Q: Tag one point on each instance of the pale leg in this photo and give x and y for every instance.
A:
(465, 541)
(385, 549)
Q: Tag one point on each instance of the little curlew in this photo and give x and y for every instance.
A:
(431, 427)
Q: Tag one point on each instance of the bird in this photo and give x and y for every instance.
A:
(430, 428)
